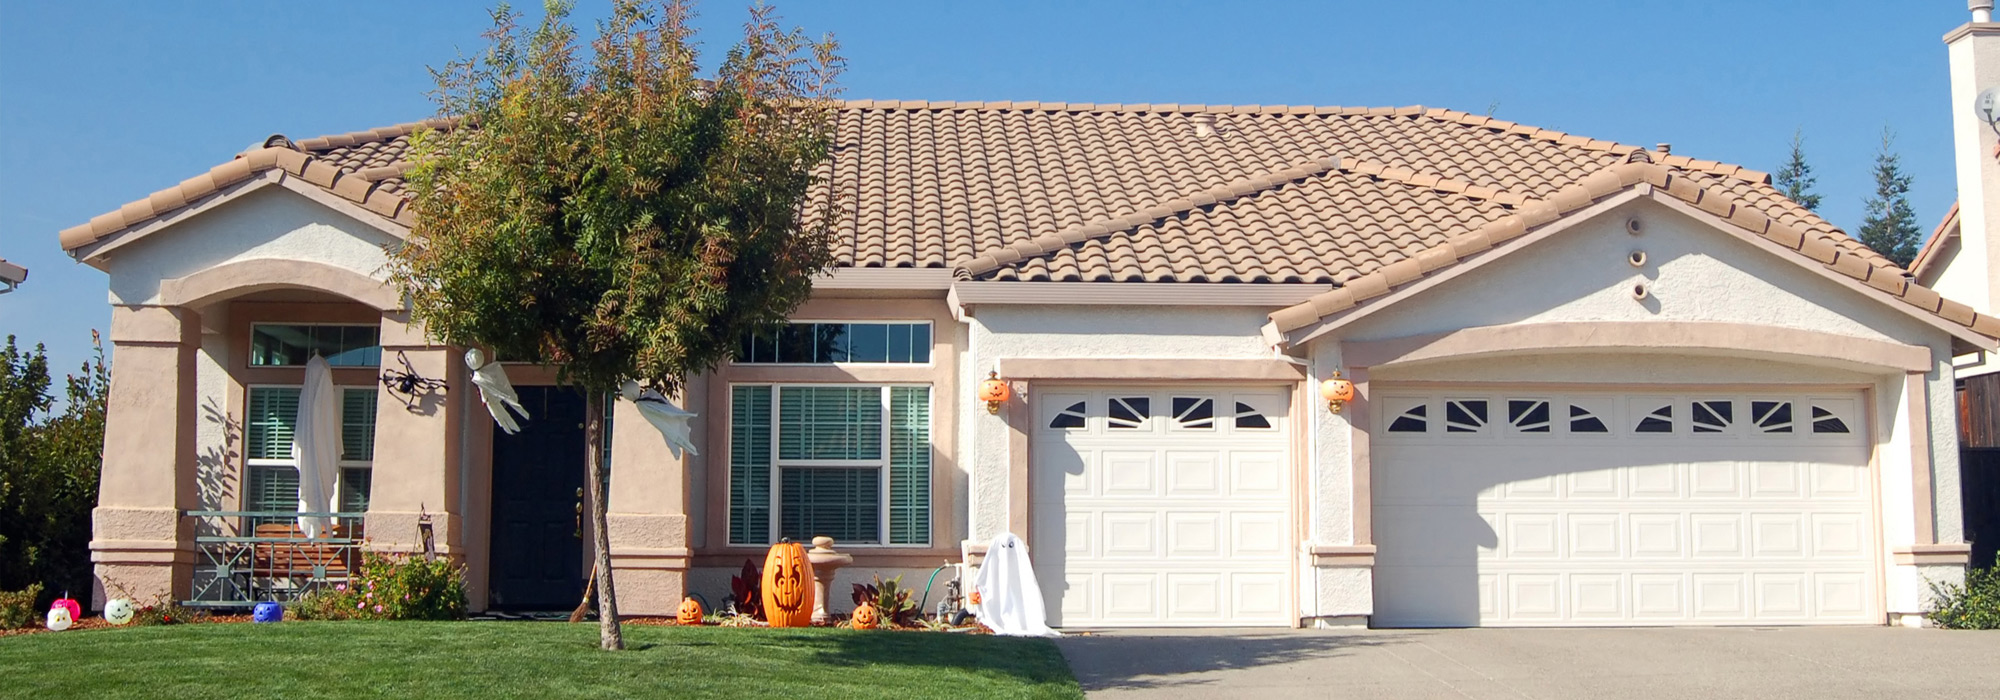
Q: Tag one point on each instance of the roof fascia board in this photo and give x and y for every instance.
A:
(1971, 338)
(93, 252)
(967, 293)
(1307, 334)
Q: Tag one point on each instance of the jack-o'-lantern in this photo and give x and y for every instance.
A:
(788, 586)
(267, 612)
(59, 618)
(865, 617)
(67, 603)
(691, 612)
(118, 611)
(994, 392)
(1337, 392)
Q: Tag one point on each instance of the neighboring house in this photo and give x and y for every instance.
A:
(11, 276)
(1597, 384)
(1962, 261)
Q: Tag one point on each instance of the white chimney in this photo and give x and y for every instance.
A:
(1974, 49)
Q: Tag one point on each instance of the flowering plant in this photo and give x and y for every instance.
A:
(391, 587)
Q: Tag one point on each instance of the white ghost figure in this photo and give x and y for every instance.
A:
(670, 420)
(495, 391)
(118, 611)
(59, 619)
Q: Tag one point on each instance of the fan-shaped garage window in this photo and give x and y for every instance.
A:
(1194, 413)
(1660, 420)
(1415, 420)
(1248, 418)
(1464, 416)
(1713, 416)
(1071, 417)
(1528, 415)
(1772, 416)
(1581, 421)
(1129, 413)
(1825, 422)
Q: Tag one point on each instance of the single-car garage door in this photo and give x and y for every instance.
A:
(1161, 507)
(1527, 508)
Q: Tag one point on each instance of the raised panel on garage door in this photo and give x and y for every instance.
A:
(1599, 508)
(1162, 506)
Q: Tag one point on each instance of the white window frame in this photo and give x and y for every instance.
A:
(340, 466)
(734, 362)
(881, 464)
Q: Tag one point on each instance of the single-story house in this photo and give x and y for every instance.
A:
(1596, 384)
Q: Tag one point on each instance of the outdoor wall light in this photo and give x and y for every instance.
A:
(994, 392)
(1337, 392)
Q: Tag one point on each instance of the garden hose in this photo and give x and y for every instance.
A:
(927, 585)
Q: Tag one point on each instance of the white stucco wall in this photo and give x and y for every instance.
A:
(1693, 273)
(1071, 332)
(271, 222)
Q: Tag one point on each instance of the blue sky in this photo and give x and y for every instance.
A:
(102, 102)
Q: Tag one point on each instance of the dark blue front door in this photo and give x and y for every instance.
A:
(537, 553)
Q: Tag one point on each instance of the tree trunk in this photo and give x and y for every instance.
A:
(598, 480)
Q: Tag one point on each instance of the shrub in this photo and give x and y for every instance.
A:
(1973, 606)
(391, 587)
(164, 611)
(891, 600)
(17, 608)
(746, 592)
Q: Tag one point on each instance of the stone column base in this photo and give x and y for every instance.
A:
(650, 581)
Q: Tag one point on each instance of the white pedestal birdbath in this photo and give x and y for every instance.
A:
(825, 561)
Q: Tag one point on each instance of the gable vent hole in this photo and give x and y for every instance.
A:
(1639, 292)
(1637, 258)
(1632, 226)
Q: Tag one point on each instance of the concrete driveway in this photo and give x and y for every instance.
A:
(1816, 663)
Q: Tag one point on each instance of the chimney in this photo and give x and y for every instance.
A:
(1974, 50)
(1664, 148)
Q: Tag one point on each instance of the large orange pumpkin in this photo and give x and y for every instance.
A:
(865, 617)
(691, 612)
(788, 586)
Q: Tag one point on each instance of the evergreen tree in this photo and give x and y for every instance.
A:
(1795, 179)
(1890, 226)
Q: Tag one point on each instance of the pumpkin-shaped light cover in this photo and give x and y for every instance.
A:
(994, 392)
(70, 604)
(866, 617)
(267, 611)
(59, 618)
(690, 612)
(1337, 392)
(788, 586)
(118, 611)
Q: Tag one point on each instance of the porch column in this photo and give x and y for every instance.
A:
(648, 516)
(417, 449)
(140, 543)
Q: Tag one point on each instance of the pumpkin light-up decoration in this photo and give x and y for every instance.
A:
(267, 612)
(1337, 392)
(118, 611)
(788, 586)
(690, 612)
(67, 603)
(994, 392)
(865, 617)
(59, 618)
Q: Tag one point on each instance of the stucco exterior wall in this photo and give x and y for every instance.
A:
(271, 222)
(999, 332)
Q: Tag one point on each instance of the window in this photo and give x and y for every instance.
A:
(848, 462)
(1713, 416)
(1128, 412)
(831, 343)
(1194, 413)
(1247, 418)
(272, 481)
(1414, 420)
(1464, 416)
(1071, 417)
(1528, 415)
(1581, 421)
(1660, 420)
(1772, 416)
(291, 344)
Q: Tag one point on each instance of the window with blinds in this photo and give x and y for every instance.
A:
(271, 482)
(847, 462)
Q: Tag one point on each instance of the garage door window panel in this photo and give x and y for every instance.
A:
(1529, 416)
(1465, 415)
(1128, 412)
(1194, 413)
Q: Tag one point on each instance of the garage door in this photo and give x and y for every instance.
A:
(1523, 508)
(1157, 507)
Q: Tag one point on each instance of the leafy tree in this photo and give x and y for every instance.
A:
(627, 217)
(1890, 227)
(49, 465)
(1795, 179)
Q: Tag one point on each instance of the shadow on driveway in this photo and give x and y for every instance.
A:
(1186, 659)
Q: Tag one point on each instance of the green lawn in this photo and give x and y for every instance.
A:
(523, 659)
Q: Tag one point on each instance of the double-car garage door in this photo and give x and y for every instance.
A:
(1529, 508)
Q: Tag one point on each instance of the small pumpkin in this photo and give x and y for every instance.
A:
(865, 617)
(691, 612)
(59, 618)
(118, 611)
(993, 389)
(788, 586)
(267, 612)
(70, 604)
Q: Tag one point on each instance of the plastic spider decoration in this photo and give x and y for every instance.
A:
(408, 386)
